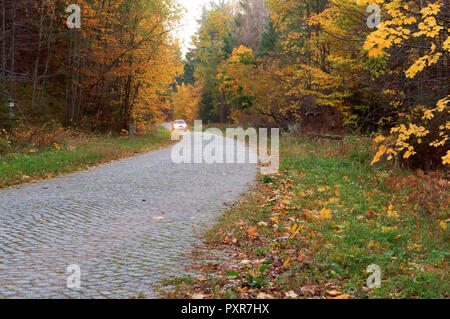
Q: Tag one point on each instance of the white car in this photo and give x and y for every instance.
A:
(179, 125)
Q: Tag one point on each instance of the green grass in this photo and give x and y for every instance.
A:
(411, 249)
(369, 222)
(74, 155)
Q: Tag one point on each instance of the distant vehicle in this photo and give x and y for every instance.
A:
(179, 125)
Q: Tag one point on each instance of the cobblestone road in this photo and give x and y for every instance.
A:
(127, 225)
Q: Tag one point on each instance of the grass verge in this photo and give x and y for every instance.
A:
(313, 229)
(75, 154)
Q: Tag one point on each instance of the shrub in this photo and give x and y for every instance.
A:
(5, 145)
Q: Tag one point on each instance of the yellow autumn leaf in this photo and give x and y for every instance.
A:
(391, 212)
(381, 150)
(325, 213)
(295, 229)
(387, 229)
(418, 66)
(446, 158)
(333, 200)
(446, 45)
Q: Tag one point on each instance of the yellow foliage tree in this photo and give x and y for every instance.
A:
(406, 21)
(185, 102)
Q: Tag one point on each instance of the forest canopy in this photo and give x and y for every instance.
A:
(322, 67)
(113, 71)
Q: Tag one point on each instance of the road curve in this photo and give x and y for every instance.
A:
(127, 225)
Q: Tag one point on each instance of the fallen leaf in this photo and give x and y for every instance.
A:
(333, 292)
(287, 262)
(333, 200)
(263, 295)
(295, 229)
(325, 213)
(262, 224)
(291, 294)
(252, 232)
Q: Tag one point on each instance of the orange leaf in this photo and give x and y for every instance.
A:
(252, 231)
(287, 262)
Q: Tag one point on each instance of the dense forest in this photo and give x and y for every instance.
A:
(317, 66)
(302, 65)
(115, 70)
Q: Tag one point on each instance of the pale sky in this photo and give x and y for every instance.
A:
(189, 22)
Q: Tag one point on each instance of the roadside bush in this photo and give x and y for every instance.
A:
(430, 192)
(5, 145)
(26, 136)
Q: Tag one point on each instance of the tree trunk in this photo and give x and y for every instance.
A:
(3, 79)
(37, 61)
(13, 52)
(47, 62)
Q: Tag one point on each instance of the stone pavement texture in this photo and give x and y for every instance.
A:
(127, 225)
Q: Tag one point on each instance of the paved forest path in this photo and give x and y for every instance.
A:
(126, 224)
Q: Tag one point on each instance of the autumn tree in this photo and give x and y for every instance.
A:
(185, 102)
(252, 19)
(212, 43)
(419, 136)
(116, 70)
